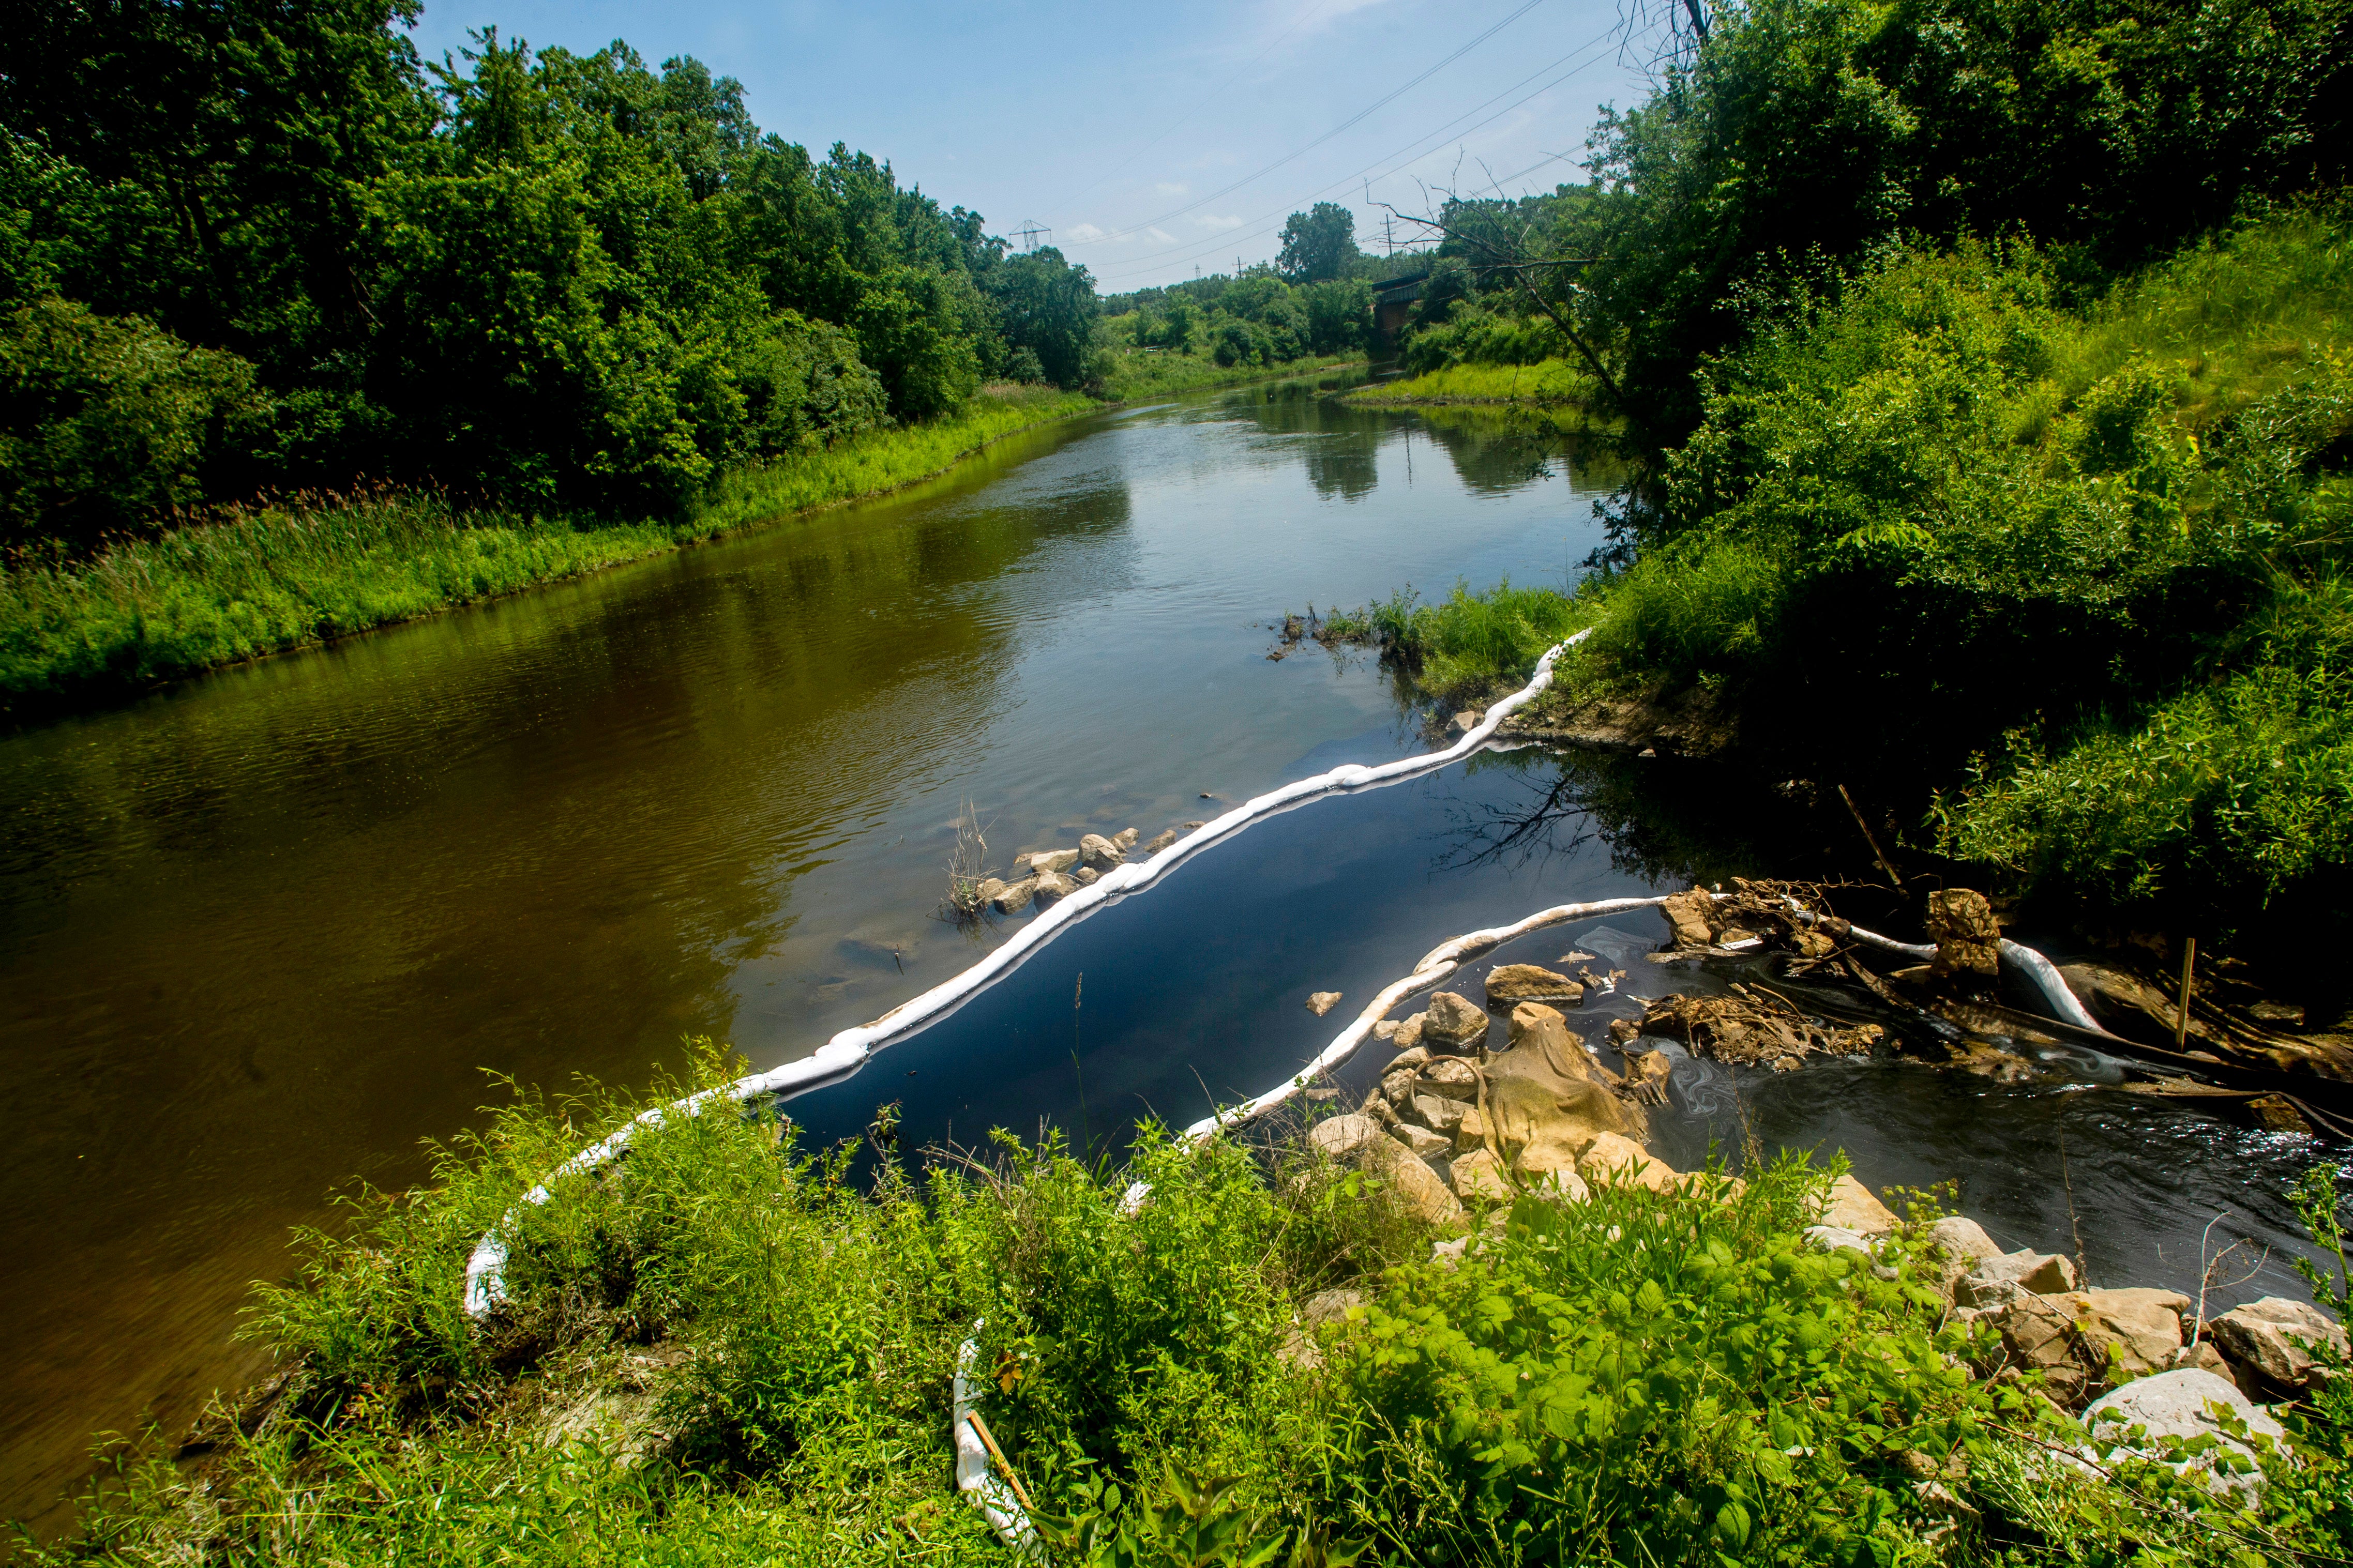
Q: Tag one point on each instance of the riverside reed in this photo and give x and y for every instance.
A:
(250, 581)
(726, 1351)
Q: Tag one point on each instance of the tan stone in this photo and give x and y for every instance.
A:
(1100, 854)
(1422, 1189)
(1125, 839)
(1409, 1034)
(1016, 897)
(1341, 1136)
(1968, 939)
(1471, 1131)
(2107, 1335)
(1053, 859)
(1323, 1002)
(1692, 915)
(1452, 1077)
(1548, 1028)
(1612, 1157)
(1510, 984)
(1452, 1022)
(1053, 887)
(1479, 1177)
(1160, 841)
(1855, 1207)
(2274, 1336)
(1424, 1143)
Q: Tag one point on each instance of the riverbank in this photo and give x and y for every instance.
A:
(252, 582)
(1139, 374)
(740, 1355)
(1561, 394)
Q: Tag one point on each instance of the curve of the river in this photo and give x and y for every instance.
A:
(266, 932)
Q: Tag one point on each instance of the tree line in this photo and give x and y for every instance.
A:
(247, 246)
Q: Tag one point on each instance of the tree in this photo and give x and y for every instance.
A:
(1318, 244)
(1048, 307)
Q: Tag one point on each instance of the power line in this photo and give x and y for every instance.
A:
(1133, 265)
(1300, 152)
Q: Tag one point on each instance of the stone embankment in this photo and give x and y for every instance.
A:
(1460, 1131)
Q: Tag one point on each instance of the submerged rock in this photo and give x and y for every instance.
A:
(1125, 839)
(1086, 876)
(1510, 984)
(1161, 841)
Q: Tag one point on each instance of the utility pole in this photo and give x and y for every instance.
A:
(1029, 232)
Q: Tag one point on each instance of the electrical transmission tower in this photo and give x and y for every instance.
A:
(1029, 232)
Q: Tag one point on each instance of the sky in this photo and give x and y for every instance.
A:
(1148, 139)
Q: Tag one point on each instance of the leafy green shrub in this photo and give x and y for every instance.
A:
(1468, 641)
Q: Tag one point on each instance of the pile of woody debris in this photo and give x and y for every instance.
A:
(1750, 1026)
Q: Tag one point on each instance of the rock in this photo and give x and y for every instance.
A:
(1341, 1136)
(1624, 1032)
(1833, 1237)
(2202, 1355)
(1969, 942)
(1470, 1132)
(1160, 841)
(2093, 1337)
(1100, 854)
(1543, 1107)
(1085, 875)
(1016, 897)
(1478, 1177)
(1533, 1021)
(1323, 1002)
(2183, 1404)
(1561, 1186)
(1450, 1077)
(989, 888)
(1691, 915)
(2274, 1337)
(1998, 1280)
(1410, 1057)
(1053, 859)
(1425, 1144)
(1469, 719)
(1329, 1306)
(1452, 1023)
(1386, 1029)
(1423, 1189)
(1652, 1067)
(1397, 1085)
(1853, 1206)
(1052, 887)
(2277, 1113)
(1514, 983)
(1434, 1111)
(1409, 1034)
(1125, 839)
(1962, 1238)
(1612, 1157)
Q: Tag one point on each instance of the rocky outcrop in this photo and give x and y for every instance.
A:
(1510, 983)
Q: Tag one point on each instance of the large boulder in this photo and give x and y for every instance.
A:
(1852, 1206)
(2000, 1280)
(1362, 1140)
(2086, 1339)
(2187, 1404)
(1423, 1190)
(1968, 939)
(1543, 1106)
(2274, 1338)
(1100, 854)
(1343, 1136)
(1510, 983)
(1452, 1024)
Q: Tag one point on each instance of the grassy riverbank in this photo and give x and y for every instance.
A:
(252, 581)
(1554, 386)
(1137, 375)
(735, 1356)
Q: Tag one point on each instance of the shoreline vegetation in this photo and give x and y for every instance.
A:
(1292, 1351)
(1552, 389)
(260, 580)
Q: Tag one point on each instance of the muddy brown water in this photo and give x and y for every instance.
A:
(266, 932)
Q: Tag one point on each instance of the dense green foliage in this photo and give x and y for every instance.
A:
(246, 581)
(246, 248)
(723, 1352)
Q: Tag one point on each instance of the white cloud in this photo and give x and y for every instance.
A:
(1087, 232)
(1212, 221)
(1163, 236)
(1172, 187)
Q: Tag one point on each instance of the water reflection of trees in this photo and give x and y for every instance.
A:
(1498, 450)
(1664, 820)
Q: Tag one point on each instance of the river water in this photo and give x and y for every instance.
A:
(266, 932)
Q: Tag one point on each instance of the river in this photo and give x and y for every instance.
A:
(270, 929)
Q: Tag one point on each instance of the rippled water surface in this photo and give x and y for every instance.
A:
(266, 932)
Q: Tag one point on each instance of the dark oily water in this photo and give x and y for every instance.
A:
(263, 934)
(1194, 995)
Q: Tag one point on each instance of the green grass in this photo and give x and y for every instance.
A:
(725, 1352)
(264, 579)
(1466, 643)
(1553, 383)
(1137, 375)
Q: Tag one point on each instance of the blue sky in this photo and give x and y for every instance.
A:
(1121, 128)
